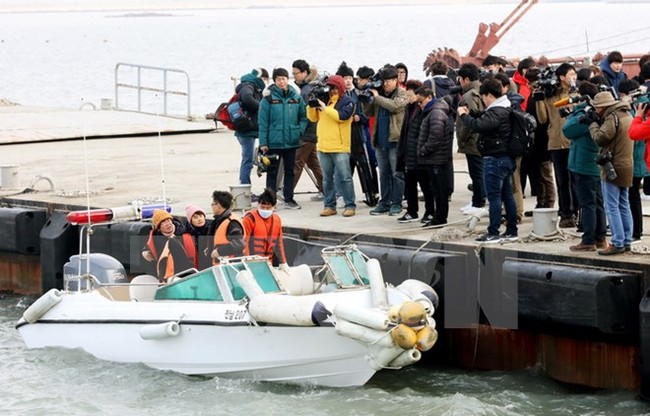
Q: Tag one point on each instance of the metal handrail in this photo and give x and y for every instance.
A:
(139, 87)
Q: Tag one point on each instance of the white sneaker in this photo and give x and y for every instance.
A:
(468, 206)
(645, 197)
(340, 203)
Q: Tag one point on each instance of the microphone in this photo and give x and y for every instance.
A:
(562, 102)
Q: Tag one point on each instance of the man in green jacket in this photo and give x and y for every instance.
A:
(282, 120)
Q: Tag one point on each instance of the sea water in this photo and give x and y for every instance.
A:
(67, 59)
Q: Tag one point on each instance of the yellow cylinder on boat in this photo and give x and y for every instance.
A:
(426, 338)
(393, 313)
(411, 313)
(404, 336)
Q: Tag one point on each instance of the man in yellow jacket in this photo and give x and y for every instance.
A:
(334, 121)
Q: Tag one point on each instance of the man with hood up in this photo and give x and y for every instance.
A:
(250, 93)
(612, 67)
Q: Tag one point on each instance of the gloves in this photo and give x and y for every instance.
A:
(284, 267)
(147, 255)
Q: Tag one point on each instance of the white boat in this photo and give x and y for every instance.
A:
(241, 319)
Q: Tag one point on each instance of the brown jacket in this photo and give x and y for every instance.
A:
(612, 135)
(547, 113)
(395, 104)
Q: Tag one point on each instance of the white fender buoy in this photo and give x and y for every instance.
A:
(248, 283)
(362, 316)
(277, 308)
(416, 289)
(377, 286)
(363, 334)
(42, 305)
(383, 357)
(408, 357)
(393, 313)
(160, 331)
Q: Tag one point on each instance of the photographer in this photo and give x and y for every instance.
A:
(334, 121)
(553, 90)
(586, 173)
(609, 124)
(387, 106)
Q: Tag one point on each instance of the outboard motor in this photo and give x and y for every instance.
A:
(104, 267)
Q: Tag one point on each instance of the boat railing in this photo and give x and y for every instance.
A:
(147, 83)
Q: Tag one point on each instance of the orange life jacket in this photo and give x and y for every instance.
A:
(261, 239)
(221, 234)
(188, 245)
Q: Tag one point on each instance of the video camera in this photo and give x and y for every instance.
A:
(575, 99)
(375, 83)
(546, 85)
(639, 95)
(319, 90)
(263, 161)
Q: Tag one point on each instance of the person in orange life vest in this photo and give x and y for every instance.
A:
(167, 247)
(197, 228)
(263, 230)
(227, 230)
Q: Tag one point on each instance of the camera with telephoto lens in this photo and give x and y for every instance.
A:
(263, 161)
(576, 99)
(604, 159)
(546, 85)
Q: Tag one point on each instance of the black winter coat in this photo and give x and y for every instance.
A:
(493, 127)
(407, 151)
(249, 97)
(436, 134)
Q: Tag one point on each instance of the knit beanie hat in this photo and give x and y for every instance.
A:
(255, 77)
(159, 215)
(338, 82)
(344, 70)
(190, 210)
(280, 72)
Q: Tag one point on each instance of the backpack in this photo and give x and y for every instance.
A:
(233, 116)
(522, 133)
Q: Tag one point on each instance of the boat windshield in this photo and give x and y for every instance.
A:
(348, 267)
(201, 286)
(260, 270)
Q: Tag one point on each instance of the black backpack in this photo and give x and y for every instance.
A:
(522, 133)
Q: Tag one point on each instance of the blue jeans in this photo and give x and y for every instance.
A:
(247, 144)
(339, 163)
(590, 197)
(617, 207)
(497, 172)
(391, 182)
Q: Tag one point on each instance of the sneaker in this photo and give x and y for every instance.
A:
(645, 197)
(407, 218)
(488, 238)
(611, 250)
(348, 212)
(395, 210)
(602, 243)
(318, 197)
(291, 205)
(472, 210)
(431, 223)
(583, 247)
(340, 203)
(427, 218)
(379, 210)
(328, 212)
(628, 248)
(567, 223)
(468, 206)
(509, 237)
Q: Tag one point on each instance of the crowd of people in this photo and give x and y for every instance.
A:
(589, 153)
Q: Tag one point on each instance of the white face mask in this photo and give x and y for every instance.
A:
(265, 213)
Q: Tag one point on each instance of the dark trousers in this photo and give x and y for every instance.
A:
(567, 199)
(475, 168)
(636, 208)
(440, 184)
(592, 212)
(413, 178)
(288, 157)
